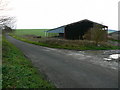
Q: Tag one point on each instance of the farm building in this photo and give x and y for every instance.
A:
(76, 30)
(115, 35)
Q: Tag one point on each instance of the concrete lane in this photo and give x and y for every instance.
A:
(65, 71)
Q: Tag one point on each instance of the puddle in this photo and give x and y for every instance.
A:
(113, 57)
(76, 54)
(105, 58)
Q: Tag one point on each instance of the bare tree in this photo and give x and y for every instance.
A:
(5, 20)
(96, 34)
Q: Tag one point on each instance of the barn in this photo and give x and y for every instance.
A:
(75, 30)
(115, 35)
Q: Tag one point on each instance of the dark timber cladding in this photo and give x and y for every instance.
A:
(76, 30)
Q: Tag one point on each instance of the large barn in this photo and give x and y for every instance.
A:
(75, 30)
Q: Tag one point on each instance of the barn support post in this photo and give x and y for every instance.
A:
(46, 34)
(107, 33)
(65, 33)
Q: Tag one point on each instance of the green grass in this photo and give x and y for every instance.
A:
(68, 44)
(18, 71)
(39, 32)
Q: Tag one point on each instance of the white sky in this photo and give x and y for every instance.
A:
(54, 13)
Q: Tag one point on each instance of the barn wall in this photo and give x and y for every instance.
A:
(77, 30)
(115, 35)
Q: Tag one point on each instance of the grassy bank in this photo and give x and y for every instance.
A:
(67, 44)
(18, 71)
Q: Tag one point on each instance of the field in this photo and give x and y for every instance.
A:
(37, 32)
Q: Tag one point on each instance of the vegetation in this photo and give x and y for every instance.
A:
(18, 72)
(20, 32)
(96, 34)
(67, 44)
(114, 40)
(38, 32)
(7, 29)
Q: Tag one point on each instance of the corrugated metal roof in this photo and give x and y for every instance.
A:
(57, 30)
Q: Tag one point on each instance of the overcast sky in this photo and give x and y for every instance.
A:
(50, 14)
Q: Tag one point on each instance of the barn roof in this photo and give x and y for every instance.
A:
(57, 30)
(116, 32)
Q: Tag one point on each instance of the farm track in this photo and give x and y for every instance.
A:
(65, 71)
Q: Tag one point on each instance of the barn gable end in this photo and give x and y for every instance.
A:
(75, 30)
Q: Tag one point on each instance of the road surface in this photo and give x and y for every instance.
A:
(66, 71)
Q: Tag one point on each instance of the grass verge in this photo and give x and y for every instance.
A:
(68, 44)
(18, 71)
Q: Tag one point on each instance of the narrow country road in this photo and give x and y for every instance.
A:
(64, 70)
